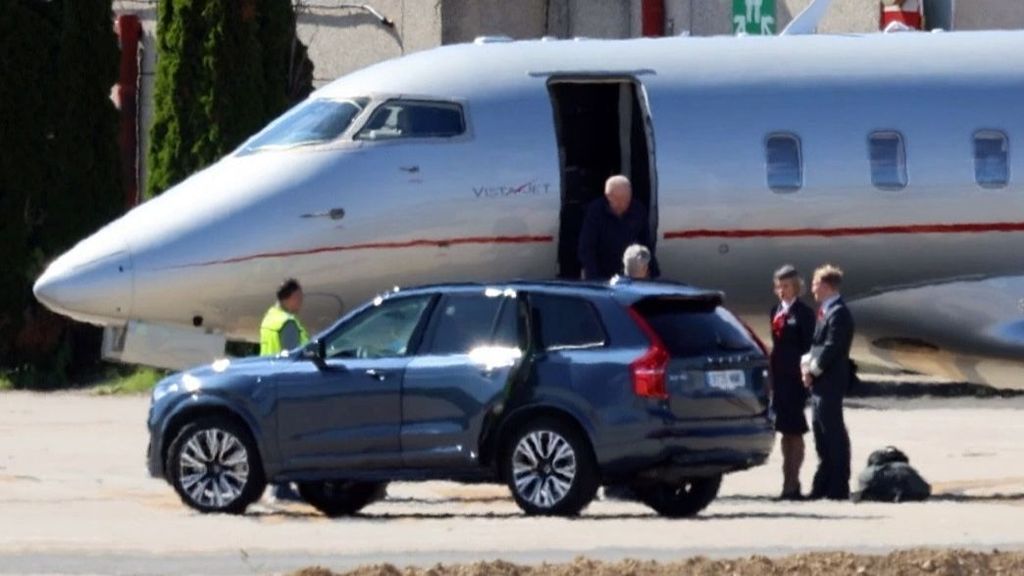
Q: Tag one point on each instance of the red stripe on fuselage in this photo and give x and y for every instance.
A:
(850, 231)
(421, 243)
(978, 228)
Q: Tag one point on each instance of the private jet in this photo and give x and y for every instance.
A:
(890, 155)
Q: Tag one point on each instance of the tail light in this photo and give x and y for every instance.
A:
(649, 369)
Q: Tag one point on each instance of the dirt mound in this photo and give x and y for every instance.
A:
(902, 563)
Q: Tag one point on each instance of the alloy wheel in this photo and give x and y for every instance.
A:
(213, 468)
(543, 468)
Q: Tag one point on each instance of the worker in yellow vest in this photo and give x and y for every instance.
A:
(281, 329)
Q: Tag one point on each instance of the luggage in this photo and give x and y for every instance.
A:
(889, 477)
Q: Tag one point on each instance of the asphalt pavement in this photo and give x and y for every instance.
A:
(75, 499)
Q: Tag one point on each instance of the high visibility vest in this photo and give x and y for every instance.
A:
(270, 330)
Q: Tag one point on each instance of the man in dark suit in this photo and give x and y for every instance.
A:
(611, 225)
(792, 324)
(827, 372)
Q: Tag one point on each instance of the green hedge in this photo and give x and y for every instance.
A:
(224, 69)
(59, 172)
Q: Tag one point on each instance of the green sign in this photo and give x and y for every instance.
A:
(754, 17)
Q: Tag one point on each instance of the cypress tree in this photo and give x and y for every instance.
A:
(59, 178)
(223, 71)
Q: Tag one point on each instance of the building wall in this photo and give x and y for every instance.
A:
(464, 20)
(600, 18)
(988, 14)
(342, 39)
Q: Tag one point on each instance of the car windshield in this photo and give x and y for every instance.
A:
(313, 122)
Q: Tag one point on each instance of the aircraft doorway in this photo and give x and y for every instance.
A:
(602, 128)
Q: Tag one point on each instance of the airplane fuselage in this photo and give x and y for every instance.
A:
(934, 268)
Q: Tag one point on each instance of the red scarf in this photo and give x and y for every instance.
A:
(779, 322)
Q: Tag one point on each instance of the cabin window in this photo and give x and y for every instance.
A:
(888, 160)
(314, 122)
(991, 159)
(411, 119)
(784, 163)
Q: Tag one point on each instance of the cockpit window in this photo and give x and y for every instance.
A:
(314, 122)
(413, 119)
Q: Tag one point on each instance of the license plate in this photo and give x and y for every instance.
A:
(727, 379)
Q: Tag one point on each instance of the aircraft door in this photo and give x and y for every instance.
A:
(603, 128)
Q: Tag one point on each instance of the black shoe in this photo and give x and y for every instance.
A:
(815, 495)
(793, 496)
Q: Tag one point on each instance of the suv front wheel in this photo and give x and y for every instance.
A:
(214, 466)
(550, 469)
(680, 500)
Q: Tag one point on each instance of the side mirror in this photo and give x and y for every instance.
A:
(317, 352)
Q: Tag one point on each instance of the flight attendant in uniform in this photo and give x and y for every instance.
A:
(792, 324)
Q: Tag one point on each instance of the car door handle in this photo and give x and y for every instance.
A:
(377, 374)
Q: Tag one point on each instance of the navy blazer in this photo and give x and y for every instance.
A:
(605, 237)
(792, 343)
(830, 350)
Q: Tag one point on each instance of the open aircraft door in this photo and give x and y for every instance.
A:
(604, 127)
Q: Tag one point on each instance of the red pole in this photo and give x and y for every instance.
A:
(129, 32)
(653, 18)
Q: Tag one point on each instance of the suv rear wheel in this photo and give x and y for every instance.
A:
(214, 466)
(680, 500)
(550, 469)
(341, 497)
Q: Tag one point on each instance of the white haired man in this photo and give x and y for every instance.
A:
(611, 224)
(636, 262)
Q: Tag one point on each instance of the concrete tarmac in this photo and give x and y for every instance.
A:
(75, 499)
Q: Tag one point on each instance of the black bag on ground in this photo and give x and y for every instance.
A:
(889, 477)
(887, 455)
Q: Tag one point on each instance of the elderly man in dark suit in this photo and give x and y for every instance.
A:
(827, 372)
(612, 224)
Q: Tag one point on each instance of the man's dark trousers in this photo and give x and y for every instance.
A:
(832, 443)
(830, 349)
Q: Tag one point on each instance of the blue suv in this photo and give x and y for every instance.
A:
(554, 388)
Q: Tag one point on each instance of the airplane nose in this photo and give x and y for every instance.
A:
(92, 282)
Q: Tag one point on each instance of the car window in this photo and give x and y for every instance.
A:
(506, 334)
(413, 119)
(314, 122)
(465, 321)
(690, 329)
(566, 322)
(383, 331)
